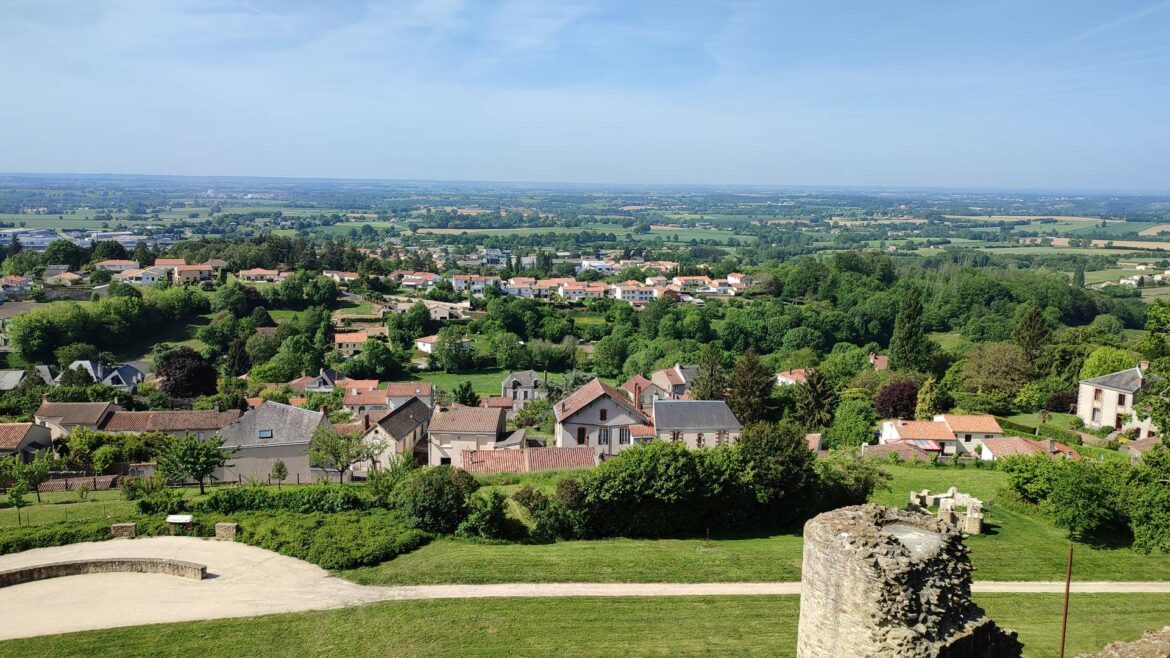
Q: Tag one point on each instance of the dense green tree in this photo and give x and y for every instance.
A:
(331, 450)
(929, 401)
(191, 457)
(910, 349)
(751, 388)
(815, 401)
(1032, 333)
(185, 373)
(711, 380)
(464, 394)
(781, 466)
(852, 424)
(1105, 360)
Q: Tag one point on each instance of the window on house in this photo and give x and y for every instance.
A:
(603, 437)
(444, 461)
(1097, 395)
(966, 437)
(265, 434)
(604, 414)
(525, 395)
(581, 436)
(1096, 415)
(721, 437)
(699, 440)
(676, 436)
(1121, 399)
(624, 435)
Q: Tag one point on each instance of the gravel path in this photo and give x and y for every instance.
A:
(245, 581)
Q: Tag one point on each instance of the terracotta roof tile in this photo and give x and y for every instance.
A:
(979, 423)
(168, 421)
(473, 420)
(11, 434)
(923, 429)
(590, 392)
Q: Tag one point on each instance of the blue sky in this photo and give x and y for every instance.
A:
(991, 93)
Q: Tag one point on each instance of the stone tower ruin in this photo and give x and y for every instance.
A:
(880, 581)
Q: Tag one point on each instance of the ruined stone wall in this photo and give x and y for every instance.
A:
(1153, 644)
(880, 581)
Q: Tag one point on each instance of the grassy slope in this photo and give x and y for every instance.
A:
(692, 626)
(1017, 546)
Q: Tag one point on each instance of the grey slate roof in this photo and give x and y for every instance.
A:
(686, 415)
(525, 377)
(288, 424)
(404, 418)
(1126, 381)
(10, 379)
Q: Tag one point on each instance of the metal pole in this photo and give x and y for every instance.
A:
(1067, 585)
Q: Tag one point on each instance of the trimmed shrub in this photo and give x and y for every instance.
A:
(322, 497)
(488, 518)
(437, 499)
(334, 541)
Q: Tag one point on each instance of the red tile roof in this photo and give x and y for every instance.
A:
(796, 374)
(981, 423)
(471, 420)
(496, 402)
(365, 397)
(923, 429)
(590, 392)
(408, 389)
(169, 421)
(76, 413)
(11, 434)
(1018, 445)
(636, 382)
(527, 460)
(905, 451)
(642, 431)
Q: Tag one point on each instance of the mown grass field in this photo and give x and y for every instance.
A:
(1037, 549)
(589, 626)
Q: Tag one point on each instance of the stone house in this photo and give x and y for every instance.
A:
(523, 386)
(675, 380)
(643, 392)
(400, 393)
(351, 343)
(1109, 401)
(403, 430)
(599, 416)
(697, 423)
(451, 431)
(193, 274)
(267, 433)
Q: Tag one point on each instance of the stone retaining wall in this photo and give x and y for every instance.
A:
(112, 565)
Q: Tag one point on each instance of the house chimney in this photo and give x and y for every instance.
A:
(1144, 365)
(325, 410)
(45, 397)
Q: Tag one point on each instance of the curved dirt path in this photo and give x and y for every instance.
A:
(245, 581)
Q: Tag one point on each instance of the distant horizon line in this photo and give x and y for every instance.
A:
(603, 185)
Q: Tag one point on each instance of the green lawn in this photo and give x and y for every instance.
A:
(1037, 550)
(485, 382)
(593, 626)
(67, 506)
(1062, 421)
(947, 340)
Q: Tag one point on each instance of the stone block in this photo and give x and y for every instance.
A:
(879, 581)
(226, 531)
(124, 530)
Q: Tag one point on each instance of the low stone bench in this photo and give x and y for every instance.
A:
(124, 530)
(170, 567)
(226, 531)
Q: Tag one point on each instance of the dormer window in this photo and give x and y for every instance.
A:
(265, 434)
